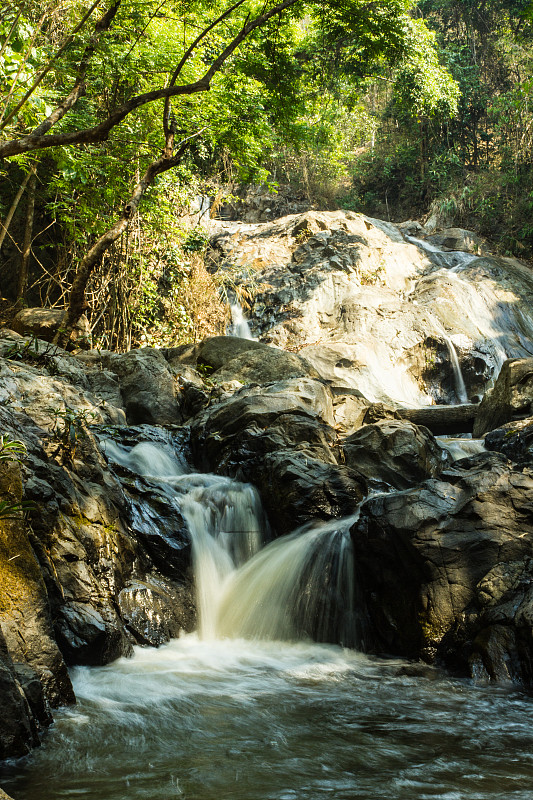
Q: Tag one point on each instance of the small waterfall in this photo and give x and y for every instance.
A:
(225, 518)
(461, 448)
(299, 586)
(226, 523)
(239, 324)
(460, 388)
(450, 259)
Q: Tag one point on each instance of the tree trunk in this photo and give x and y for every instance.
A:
(28, 236)
(77, 301)
(4, 226)
(442, 420)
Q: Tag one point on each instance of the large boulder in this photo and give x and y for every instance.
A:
(17, 734)
(444, 570)
(510, 399)
(276, 438)
(514, 440)
(148, 387)
(396, 452)
(460, 239)
(45, 323)
(229, 358)
(216, 351)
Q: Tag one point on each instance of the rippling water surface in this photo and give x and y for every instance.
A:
(210, 720)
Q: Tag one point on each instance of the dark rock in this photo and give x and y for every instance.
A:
(86, 637)
(514, 440)
(396, 452)
(442, 420)
(275, 438)
(16, 732)
(510, 399)
(156, 522)
(33, 690)
(155, 612)
(438, 565)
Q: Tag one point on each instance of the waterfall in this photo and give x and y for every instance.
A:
(239, 324)
(298, 586)
(460, 387)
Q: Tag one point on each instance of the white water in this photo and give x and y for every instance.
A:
(239, 324)
(209, 717)
(294, 588)
(460, 387)
(461, 448)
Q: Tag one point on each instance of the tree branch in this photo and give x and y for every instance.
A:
(101, 132)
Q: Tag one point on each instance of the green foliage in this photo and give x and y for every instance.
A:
(70, 426)
(11, 449)
(290, 105)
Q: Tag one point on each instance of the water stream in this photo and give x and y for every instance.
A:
(249, 708)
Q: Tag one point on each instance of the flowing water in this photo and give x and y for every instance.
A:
(239, 324)
(249, 708)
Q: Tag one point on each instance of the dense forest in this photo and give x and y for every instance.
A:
(116, 116)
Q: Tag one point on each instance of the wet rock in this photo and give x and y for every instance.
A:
(395, 452)
(514, 440)
(155, 612)
(439, 565)
(87, 637)
(510, 399)
(275, 437)
(16, 734)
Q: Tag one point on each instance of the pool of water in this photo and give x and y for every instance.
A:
(250, 720)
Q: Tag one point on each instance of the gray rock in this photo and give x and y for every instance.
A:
(45, 322)
(459, 239)
(148, 387)
(439, 566)
(510, 399)
(216, 351)
(395, 452)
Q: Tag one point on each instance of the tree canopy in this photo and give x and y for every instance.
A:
(101, 99)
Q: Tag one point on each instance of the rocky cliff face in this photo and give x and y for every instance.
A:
(102, 558)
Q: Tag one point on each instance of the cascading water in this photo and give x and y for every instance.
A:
(240, 718)
(300, 586)
(239, 324)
